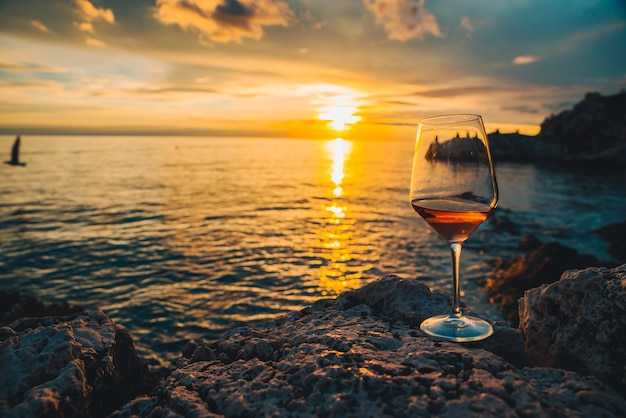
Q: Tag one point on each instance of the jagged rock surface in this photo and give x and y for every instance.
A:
(82, 365)
(17, 305)
(542, 265)
(579, 324)
(361, 355)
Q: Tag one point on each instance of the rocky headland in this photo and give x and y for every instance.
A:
(590, 135)
(361, 354)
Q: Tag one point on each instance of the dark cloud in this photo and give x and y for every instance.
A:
(233, 8)
(533, 110)
(458, 91)
(561, 105)
(235, 14)
(398, 103)
(176, 89)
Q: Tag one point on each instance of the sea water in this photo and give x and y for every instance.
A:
(187, 237)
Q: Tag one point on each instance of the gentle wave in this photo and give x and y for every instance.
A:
(180, 238)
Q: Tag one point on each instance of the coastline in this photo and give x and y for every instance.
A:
(361, 353)
(589, 136)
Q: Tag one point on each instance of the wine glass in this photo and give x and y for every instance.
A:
(454, 189)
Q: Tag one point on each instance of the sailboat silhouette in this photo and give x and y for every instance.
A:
(15, 154)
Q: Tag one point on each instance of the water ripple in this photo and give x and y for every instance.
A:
(180, 238)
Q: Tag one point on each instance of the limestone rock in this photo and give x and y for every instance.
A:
(544, 264)
(579, 324)
(361, 355)
(17, 305)
(82, 365)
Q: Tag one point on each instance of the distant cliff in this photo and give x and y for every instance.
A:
(594, 125)
(593, 132)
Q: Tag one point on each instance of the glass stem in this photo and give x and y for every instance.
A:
(455, 249)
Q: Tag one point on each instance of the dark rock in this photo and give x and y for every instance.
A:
(529, 243)
(614, 234)
(502, 221)
(457, 149)
(589, 136)
(412, 302)
(579, 323)
(82, 365)
(594, 125)
(17, 305)
(522, 148)
(607, 159)
(544, 264)
(361, 355)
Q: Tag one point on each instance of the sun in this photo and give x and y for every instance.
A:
(338, 106)
(339, 117)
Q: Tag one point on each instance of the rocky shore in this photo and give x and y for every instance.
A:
(71, 364)
(361, 354)
(542, 264)
(589, 136)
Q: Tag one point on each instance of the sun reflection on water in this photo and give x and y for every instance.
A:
(337, 232)
(339, 149)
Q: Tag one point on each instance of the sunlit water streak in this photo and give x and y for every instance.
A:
(180, 238)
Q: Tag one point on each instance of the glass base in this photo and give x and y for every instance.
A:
(457, 328)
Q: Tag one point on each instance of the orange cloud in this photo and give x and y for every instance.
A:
(404, 19)
(525, 59)
(224, 20)
(94, 42)
(39, 26)
(84, 26)
(91, 13)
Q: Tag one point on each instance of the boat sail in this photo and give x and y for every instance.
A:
(15, 154)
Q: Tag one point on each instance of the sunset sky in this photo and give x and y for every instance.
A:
(300, 68)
